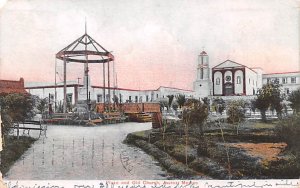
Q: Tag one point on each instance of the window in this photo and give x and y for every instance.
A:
(228, 78)
(238, 80)
(120, 98)
(129, 98)
(287, 90)
(51, 98)
(156, 95)
(136, 98)
(147, 98)
(69, 98)
(284, 80)
(218, 81)
(249, 81)
(293, 80)
(107, 98)
(276, 80)
(268, 80)
(99, 98)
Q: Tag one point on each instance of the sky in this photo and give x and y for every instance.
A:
(155, 43)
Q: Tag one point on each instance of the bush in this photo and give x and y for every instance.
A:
(289, 131)
(236, 112)
(294, 98)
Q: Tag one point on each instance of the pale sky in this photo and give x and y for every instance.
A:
(155, 42)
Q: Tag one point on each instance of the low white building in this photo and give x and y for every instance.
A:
(97, 93)
(290, 81)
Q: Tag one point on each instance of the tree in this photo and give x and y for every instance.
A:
(220, 105)
(42, 105)
(16, 107)
(269, 96)
(163, 103)
(294, 98)
(181, 100)
(170, 97)
(116, 101)
(252, 106)
(236, 113)
(206, 101)
(175, 106)
(195, 114)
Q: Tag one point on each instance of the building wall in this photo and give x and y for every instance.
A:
(218, 83)
(251, 82)
(96, 93)
(238, 82)
(11, 86)
(290, 81)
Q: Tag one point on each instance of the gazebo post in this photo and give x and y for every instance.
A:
(65, 87)
(104, 93)
(108, 83)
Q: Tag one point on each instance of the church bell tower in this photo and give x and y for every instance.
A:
(203, 83)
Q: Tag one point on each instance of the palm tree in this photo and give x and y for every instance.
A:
(171, 97)
(181, 100)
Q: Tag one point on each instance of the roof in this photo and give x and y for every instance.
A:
(175, 88)
(101, 87)
(85, 50)
(232, 65)
(283, 72)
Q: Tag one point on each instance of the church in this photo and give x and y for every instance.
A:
(229, 78)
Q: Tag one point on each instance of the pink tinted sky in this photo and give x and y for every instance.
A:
(155, 42)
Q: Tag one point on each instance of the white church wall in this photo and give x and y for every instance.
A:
(218, 80)
(251, 82)
(238, 82)
(259, 72)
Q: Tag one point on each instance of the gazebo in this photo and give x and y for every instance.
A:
(87, 51)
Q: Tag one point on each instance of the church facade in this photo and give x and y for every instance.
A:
(230, 78)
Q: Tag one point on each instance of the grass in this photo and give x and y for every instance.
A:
(261, 125)
(13, 150)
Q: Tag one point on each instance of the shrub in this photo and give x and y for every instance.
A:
(289, 131)
(236, 112)
(294, 98)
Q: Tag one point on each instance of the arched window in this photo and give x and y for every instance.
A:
(238, 80)
(218, 81)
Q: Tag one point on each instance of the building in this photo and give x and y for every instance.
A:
(11, 86)
(229, 79)
(203, 83)
(124, 95)
(290, 81)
